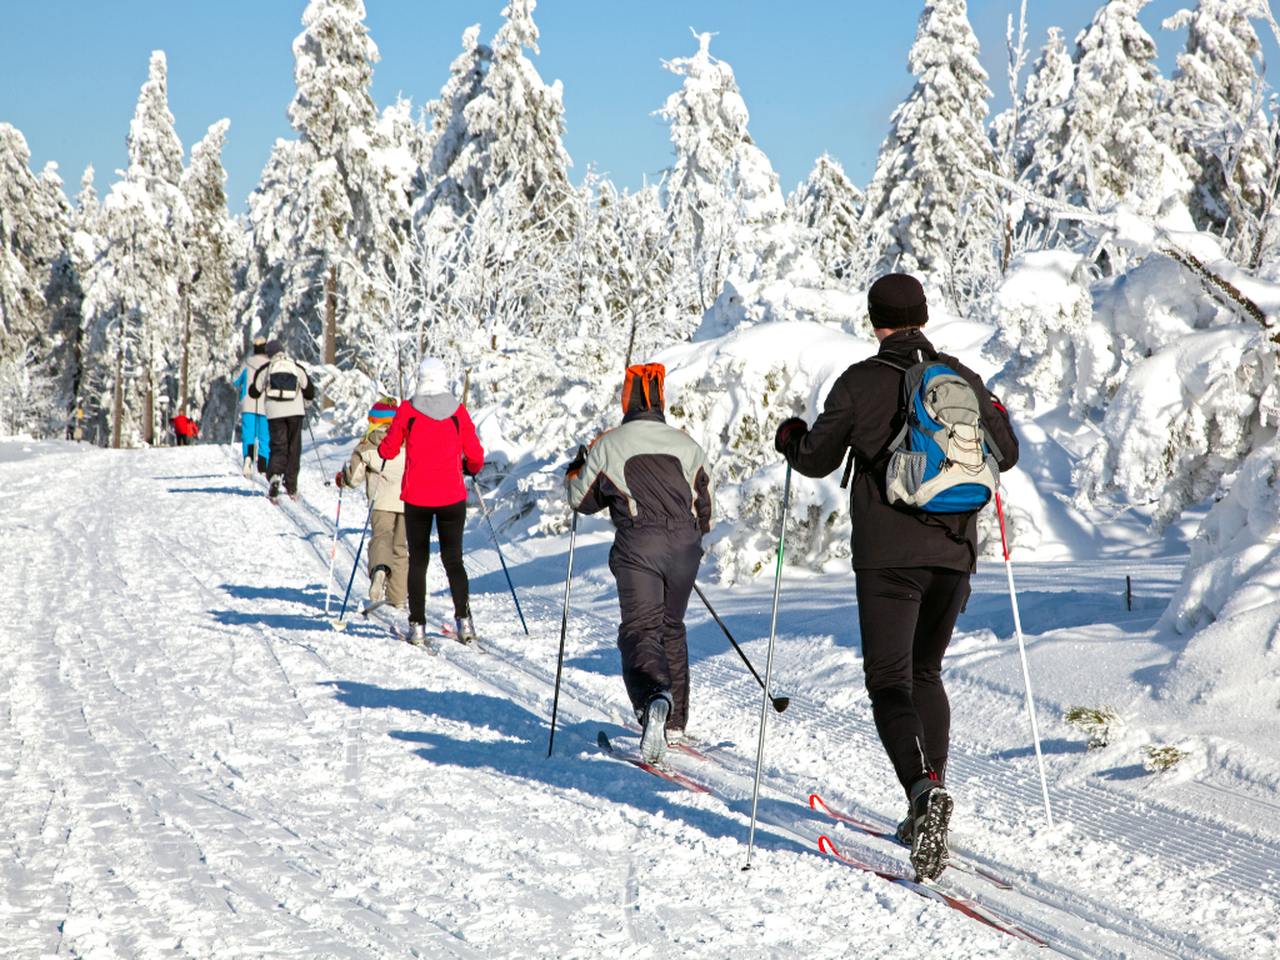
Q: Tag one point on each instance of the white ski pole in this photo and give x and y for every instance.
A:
(768, 669)
(1026, 674)
(333, 554)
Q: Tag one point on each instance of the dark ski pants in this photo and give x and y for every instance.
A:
(655, 568)
(286, 450)
(907, 615)
(449, 521)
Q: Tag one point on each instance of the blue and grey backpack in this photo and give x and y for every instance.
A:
(941, 461)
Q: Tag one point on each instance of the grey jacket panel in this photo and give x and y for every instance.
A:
(367, 465)
(282, 408)
(437, 406)
(645, 472)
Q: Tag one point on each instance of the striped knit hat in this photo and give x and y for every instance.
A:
(383, 412)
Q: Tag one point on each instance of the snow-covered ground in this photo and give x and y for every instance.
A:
(194, 763)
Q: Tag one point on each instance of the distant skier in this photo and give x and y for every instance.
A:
(286, 386)
(185, 430)
(255, 438)
(440, 445)
(388, 546)
(912, 568)
(656, 484)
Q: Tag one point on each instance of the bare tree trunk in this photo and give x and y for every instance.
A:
(186, 350)
(149, 410)
(118, 410)
(330, 323)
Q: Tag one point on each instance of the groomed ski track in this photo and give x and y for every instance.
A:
(195, 764)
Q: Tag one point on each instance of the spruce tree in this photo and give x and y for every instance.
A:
(134, 287)
(1215, 105)
(213, 243)
(338, 208)
(923, 198)
(513, 127)
(1107, 148)
(28, 245)
(829, 207)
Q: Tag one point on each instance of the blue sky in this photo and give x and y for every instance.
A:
(817, 75)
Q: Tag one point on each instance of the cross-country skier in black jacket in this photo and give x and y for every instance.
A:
(655, 481)
(912, 569)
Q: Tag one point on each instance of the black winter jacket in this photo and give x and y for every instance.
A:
(862, 413)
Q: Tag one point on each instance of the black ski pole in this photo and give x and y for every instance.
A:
(316, 448)
(340, 623)
(564, 628)
(779, 703)
(501, 558)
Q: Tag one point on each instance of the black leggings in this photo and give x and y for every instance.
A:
(449, 523)
(906, 616)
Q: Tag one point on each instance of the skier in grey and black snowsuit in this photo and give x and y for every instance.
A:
(656, 483)
(912, 569)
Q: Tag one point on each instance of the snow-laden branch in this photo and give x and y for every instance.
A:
(1140, 233)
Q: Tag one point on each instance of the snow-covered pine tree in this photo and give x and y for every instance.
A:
(338, 205)
(62, 361)
(448, 133)
(708, 124)
(938, 219)
(36, 292)
(1216, 105)
(1109, 149)
(28, 245)
(829, 206)
(133, 287)
(278, 282)
(511, 128)
(210, 346)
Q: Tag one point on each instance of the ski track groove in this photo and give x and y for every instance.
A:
(249, 875)
(1190, 844)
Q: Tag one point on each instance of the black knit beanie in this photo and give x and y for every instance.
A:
(897, 300)
(274, 347)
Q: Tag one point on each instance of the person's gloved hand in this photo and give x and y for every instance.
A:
(790, 432)
(468, 469)
(578, 462)
(338, 479)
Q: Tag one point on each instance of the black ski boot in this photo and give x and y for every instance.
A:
(925, 829)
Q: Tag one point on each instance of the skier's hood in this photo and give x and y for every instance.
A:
(437, 406)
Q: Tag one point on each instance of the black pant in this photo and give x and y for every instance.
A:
(286, 450)
(907, 615)
(655, 568)
(449, 522)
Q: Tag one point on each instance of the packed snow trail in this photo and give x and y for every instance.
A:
(194, 762)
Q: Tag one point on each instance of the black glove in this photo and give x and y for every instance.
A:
(578, 462)
(790, 432)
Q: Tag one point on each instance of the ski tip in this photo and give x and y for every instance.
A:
(602, 741)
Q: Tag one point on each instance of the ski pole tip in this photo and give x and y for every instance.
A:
(338, 625)
(781, 703)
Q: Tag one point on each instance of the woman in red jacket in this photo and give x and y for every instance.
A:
(440, 445)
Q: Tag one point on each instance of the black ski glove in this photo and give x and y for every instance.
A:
(578, 462)
(790, 432)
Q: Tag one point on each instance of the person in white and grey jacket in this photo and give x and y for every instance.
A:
(286, 387)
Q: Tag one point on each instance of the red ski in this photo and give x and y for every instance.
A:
(928, 890)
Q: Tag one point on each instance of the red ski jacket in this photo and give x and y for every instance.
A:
(434, 454)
